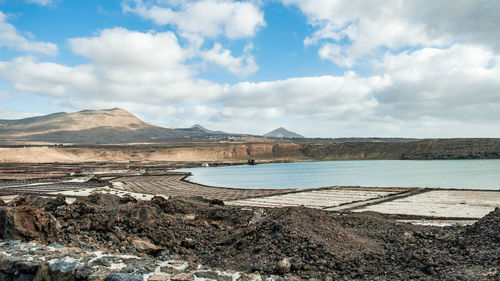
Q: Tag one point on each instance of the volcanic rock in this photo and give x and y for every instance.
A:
(28, 223)
(143, 246)
(283, 266)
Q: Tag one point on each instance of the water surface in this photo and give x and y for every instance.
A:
(462, 174)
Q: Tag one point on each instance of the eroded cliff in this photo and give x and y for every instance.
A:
(242, 152)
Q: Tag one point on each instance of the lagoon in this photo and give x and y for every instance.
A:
(460, 174)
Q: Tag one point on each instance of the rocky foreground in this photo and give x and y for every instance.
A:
(105, 237)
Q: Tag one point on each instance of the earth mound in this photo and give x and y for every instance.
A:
(297, 242)
(211, 234)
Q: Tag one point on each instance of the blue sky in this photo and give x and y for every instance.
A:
(322, 68)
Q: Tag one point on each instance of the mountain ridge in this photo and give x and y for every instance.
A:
(103, 126)
(205, 130)
(81, 120)
(282, 133)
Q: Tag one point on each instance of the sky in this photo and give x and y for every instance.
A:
(321, 68)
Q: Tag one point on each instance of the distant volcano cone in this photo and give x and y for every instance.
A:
(282, 133)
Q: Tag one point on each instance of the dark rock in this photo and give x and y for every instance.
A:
(189, 243)
(360, 273)
(158, 200)
(256, 268)
(84, 272)
(283, 266)
(123, 277)
(141, 271)
(25, 200)
(128, 269)
(55, 203)
(27, 223)
(127, 198)
(56, 245)
(64, 266)
(104, 199)
(23, 277)
(217, 202)
(296, 263)
(12, 243)
(59, 271)
(428, 269)
(102, 261)
(28, 268)
(206, 274)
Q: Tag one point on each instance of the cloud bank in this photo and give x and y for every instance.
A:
(429, 75)
(348, 31)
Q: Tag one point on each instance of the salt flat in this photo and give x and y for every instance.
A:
(320, 199)
(428, 206)
(441, 203)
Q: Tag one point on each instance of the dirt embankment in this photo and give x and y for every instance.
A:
(242, 152)
(298, 243)
(199, 153)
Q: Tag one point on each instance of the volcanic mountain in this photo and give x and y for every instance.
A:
(90, 127)
(205, 130)
(282, 133)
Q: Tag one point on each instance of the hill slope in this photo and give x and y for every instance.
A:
(205, 130)
(82, 120)
(282, 133)
(89, 127)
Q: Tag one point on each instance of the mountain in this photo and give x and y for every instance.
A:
(282, 133)
(200, 128)
(90, 127)
(83, 120)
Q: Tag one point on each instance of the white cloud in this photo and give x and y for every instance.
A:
(209, 18)
(193, 22)
(152, 73)
(151, 67)
(143, 50)
(323, 97)
(41, 2)
(457, 83)
(10, 38)
(28, 75)
(336, 54)
(362, 28)
(425, 93)
(241, 66)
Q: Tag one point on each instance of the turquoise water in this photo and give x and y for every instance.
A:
(463, 174)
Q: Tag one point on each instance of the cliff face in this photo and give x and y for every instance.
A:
(355, 151)
(236, 152)
(454, 149)
(417, 150)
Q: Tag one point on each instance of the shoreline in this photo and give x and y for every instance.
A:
(146, 180)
